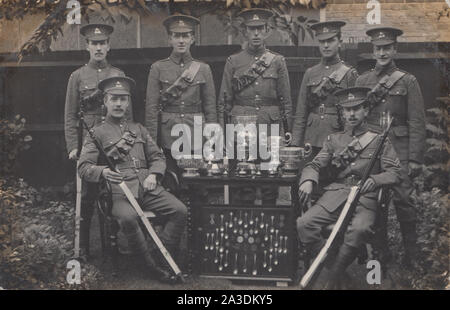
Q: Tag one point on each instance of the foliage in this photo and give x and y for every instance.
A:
(36, 240)
(13, 141)
(295, 29)
(433, 241)
(437, 159)
(56, 13)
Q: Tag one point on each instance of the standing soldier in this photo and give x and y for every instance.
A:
(84, 96)
(256, 82)
(396, 93)
(317, 115)
(179, 88)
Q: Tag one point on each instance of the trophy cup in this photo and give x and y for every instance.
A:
(191, 165)
(246, 165)
(293, 159)
(274, 155)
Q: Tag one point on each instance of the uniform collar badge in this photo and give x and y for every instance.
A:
(97, 31)
(255, 17)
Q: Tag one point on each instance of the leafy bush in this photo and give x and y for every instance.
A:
(36, 240)
(13, 141)
(437, 153)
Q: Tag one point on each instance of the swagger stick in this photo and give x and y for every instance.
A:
(138, 209)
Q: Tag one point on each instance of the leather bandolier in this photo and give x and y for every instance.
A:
(251, 74)
(175, 91)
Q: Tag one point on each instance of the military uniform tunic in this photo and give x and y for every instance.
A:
(83, 82)
(405, 103)
(198, 99)
(262, 97)
(144, 158)
(313, 124)
(327, 209)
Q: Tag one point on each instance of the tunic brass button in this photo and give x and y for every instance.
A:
(256, 83)
(182, 115)
(99, 70)
(326, 67)
(182, 102)
(353, 164)
(384, 100)
(182, 65)
(257, 108)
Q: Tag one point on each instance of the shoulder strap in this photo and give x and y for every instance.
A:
(388, 81)
(256, 69)
(189, 74)
(181, 83)
(366, 139)
(339, 74)
(267, 58)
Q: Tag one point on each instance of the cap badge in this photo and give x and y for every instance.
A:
(181, 23)
(325, 30)
(255, 17)
(97, 31)
(119, 85)
(351, 96)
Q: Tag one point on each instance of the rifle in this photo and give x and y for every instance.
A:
(137, 208)
(344, 218)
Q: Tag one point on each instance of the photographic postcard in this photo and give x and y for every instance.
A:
(224, 145)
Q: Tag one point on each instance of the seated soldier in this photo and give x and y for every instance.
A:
(348, 153)
(141, 164)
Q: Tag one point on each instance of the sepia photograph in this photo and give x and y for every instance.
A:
(248, 146)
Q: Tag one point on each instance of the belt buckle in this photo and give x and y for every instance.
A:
(136, 163)
(322, 110)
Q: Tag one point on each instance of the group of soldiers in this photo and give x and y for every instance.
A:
(336, 108)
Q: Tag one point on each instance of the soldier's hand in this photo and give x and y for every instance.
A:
(150, 182)
(368, 186)
(73, 154)
(288, 138)
(304, 191)
(414, 169)
(112, 176)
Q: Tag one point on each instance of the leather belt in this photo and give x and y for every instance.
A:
(134, 164)
(182, 109)
(350, 180)
(256, 102)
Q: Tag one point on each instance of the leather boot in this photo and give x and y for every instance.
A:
(138, 243)
(343, 259)
(409, 236)
(159, 273)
